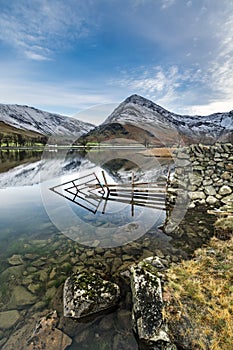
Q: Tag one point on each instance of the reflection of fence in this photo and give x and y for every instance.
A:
(92, 194)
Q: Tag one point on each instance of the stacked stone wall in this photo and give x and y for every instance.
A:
(204, 174)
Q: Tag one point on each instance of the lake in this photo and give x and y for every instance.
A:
(45, 234)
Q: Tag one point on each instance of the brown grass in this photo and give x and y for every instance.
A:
(201, 290)
(7, 129)
(159, 152)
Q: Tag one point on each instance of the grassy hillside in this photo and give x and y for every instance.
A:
(11, 136)
(148, 135)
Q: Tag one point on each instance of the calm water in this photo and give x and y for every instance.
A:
(44, 236)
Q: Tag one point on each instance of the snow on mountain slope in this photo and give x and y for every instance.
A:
(30, 118)
(138, 110)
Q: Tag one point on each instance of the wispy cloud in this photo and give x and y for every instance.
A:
(200, 78)
(167, 3)
(177, 53)
(39, 27)
(36, 56)
(184, 90)
(153, 81)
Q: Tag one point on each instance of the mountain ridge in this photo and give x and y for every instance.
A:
(143, 102)
(136, 118)
(24, 117)
(146, 114)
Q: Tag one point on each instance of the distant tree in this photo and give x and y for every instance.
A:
(146, 142)
(43, 140)
(20, 140)
(15, 140)
(98, 138)
(83, 142)
(6, 140)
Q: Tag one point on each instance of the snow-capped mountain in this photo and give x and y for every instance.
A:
(136, 110)
(45, 123)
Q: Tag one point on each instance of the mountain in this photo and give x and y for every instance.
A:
(138, 118)
(25, 118)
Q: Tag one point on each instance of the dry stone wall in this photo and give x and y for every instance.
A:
(204, 174)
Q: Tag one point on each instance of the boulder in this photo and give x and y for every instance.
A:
(147, 313)
(87, 293)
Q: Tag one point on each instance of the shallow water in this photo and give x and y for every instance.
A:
(52, 236)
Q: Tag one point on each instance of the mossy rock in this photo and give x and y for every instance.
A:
(87, 293)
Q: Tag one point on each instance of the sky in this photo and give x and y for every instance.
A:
(84, 57)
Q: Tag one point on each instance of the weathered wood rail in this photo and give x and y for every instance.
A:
(90, 192)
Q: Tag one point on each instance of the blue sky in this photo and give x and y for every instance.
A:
(69, 56)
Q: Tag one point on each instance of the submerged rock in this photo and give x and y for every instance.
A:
(20, 297)
(87, 293)
(47, 337)
(8, 319)
(147, 313)
(15, 260)
(13, 272)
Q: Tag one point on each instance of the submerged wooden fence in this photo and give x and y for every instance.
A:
(92, 194)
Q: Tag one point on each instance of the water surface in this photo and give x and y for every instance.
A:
(45, 237)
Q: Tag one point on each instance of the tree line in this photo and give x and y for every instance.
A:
(19, 140)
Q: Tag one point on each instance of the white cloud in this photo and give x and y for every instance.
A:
(167, 3)
(198, 74)
(213, 107)
(35, 56)
(184, 90)
(157, 83)
(43, 25)
(188, 64)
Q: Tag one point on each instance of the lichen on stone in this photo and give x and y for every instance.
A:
(87, 293)
(147, 313)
